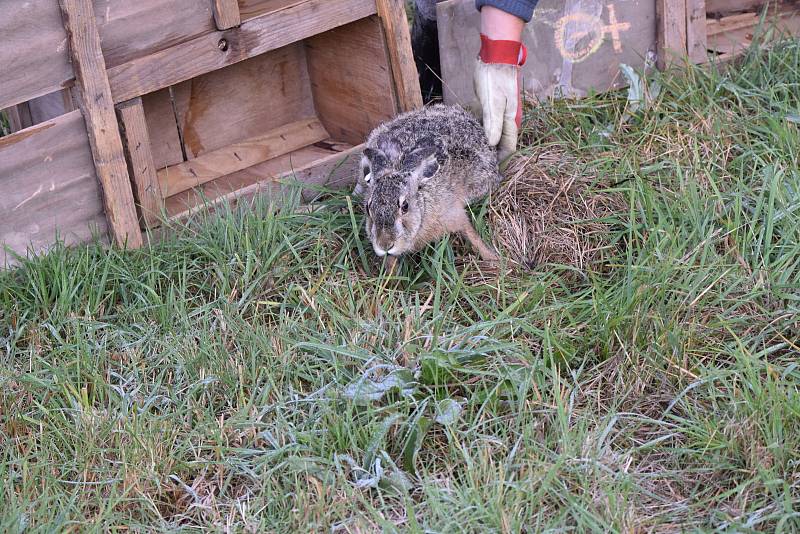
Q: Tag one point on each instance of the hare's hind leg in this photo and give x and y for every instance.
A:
(465, 227)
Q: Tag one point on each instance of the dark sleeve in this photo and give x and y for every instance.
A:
(519, 8)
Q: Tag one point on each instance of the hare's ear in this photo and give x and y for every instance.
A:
(426, 166)
(372, 163)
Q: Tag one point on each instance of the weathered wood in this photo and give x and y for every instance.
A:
(101, 123)
(48, 187)
(398, 41)
(218, 49)
(162, 126)
(33, 58)
(351, 79)
(671, 20)
(696, 38)
(134, 29)
(574, 47)
(244, 100)
(734, 22)
(731, 36)
(732, 6)
(313, 165)
(226, 13)
(147, 191)
(255, 8)
(240, 155)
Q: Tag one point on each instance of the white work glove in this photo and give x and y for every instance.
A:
(497, 73)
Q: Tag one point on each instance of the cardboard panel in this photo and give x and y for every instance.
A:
(574, 46)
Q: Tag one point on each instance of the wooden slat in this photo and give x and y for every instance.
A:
(351, 80)
(255, 8)
(134, 29)
(243, 100)
(734, 22)
(218, 49)
(48, 187)
(696, 39)
(140, 161)
(241, 155)
(101, 123)
(732, 6)
(33, 58)
(398, 41)
(671, 31)
(226, 13)
(311, 165)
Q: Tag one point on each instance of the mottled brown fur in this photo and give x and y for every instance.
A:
(419, 172)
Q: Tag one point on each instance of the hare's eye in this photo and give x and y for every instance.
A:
(404, 206)
(368, 177)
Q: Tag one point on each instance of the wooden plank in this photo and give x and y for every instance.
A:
(313, 165)
(255, 8)
(351, 79)
(218, 49)
(240, 156)
(574, 47)
(732, 6)
(131, 30)
(696, 38)
(33, 59)
(734, 22)
(226, 13)
(243, 100)
(147, 191)
(162, 127)
(398, 41)
(671, 20)
(48, 187)
(101, 123)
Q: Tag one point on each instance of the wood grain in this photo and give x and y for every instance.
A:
(243, 100)
(398, 41)
(311, 165)
(351, 79)
(696, 38)
(136, 138)
(48, 188)
(134, 29)
(671, 20)
(226, 13)
(218, 49)
(34, 60)
(240, 155)
(101, 123)
(255, 8)
(732, 6)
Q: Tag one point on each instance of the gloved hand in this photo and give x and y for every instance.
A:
(497, 74)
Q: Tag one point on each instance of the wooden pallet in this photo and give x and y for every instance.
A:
(720, 30)
(159, 108)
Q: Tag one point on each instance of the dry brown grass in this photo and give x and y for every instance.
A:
(551, 209)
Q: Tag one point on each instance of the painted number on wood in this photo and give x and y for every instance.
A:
(579, 35)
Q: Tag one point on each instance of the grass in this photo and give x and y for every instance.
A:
(258, 371)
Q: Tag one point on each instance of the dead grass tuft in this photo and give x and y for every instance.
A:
(551, 210)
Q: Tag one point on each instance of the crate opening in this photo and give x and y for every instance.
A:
(288, 111)
(733, 25)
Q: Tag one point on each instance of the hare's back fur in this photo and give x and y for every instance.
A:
(467, 162)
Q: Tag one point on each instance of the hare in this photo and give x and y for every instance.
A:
(419, 171)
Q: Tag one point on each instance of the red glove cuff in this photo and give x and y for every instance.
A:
(505, 52)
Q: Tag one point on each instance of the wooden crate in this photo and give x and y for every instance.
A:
(125, 113)
(720, 30)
